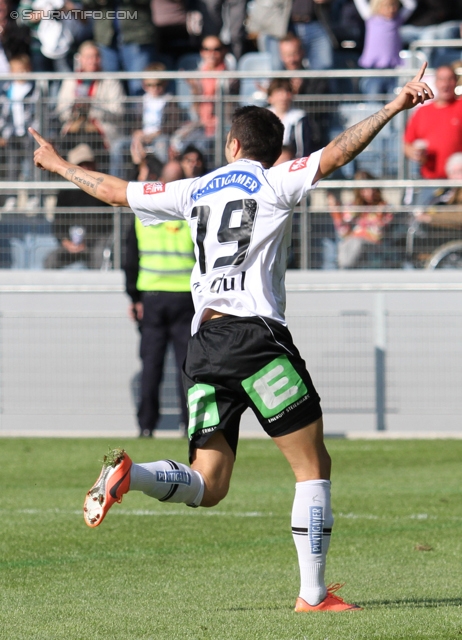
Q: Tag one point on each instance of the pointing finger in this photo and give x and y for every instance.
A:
(37, 136)
(420, 73)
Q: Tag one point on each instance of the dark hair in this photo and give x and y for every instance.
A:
(358, 199)
(23, 58)
(192, 149)
(260, 133)
(279, 83)
(154, 165)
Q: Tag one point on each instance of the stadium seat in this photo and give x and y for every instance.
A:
(39, 247)
(381, 157)
(18, 253)
(253, 90)
(31, 252)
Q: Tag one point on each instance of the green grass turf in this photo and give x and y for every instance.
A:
(167, 572)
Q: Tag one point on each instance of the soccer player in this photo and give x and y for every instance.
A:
(241, 353)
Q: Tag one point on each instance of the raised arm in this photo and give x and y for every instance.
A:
(363, 8)
(346, 146)
(109, 189)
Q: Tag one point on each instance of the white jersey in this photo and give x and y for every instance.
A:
(240, 218)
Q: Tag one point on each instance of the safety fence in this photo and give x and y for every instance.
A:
(415, 225)
(329, 230)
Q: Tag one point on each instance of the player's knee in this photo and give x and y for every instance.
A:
(214, 495)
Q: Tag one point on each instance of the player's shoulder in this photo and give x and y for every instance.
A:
(294, 169)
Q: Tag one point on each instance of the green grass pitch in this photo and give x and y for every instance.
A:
(155, 571)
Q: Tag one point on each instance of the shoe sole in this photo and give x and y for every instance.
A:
(99, 500)
(338, 607)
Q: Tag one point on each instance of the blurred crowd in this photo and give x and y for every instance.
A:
(124, 120)
(127, 126)
(131, 34)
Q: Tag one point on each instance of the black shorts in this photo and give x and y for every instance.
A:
(234, 363)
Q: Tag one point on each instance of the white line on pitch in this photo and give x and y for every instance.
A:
(223, 514)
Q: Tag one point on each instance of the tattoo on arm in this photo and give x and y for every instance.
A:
(355, 139)
(84, 180)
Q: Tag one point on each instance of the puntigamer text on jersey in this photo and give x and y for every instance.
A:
(241, 179)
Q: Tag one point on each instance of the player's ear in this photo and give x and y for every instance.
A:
(235, 147)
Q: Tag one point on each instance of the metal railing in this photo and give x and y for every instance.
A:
(331, 112)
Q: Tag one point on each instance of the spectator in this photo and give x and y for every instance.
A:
(149, 168)
(213, 54)
(171, 171)
(267, 22)
(171, 19)
(434, 20)
(192, 162)
(448, 196)
(83, 235)
(51, 40)
(347, 25)
(382, 43)
(310, 22)
(14, 37)
(292, 58)
(161, 117)
(212, 16)
(158, 265)
(361, 233)
(91, 111)
(297, 129)
(434, 132)
(441, 221)
(18, 105)
(128, 43)
(201, 132)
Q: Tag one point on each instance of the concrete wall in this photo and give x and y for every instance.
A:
(68, 352)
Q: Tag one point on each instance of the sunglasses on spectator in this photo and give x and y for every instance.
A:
(214, 49)
(153, 84)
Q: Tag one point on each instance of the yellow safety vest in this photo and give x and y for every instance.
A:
(166, 256)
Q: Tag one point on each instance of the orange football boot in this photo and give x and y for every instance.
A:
(330, 603)
(113, 482)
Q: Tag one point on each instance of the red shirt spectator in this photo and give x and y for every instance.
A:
(437, 127)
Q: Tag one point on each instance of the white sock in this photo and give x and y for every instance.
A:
(312, 522)
(168, 481)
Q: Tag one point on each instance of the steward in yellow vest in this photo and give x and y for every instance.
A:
(158, 265)
(166, 256)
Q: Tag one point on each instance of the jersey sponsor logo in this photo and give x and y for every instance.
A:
(316, 519)
(299, 163)
(151, 188)
(275, 388)
(240, 179)
(174, 477)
